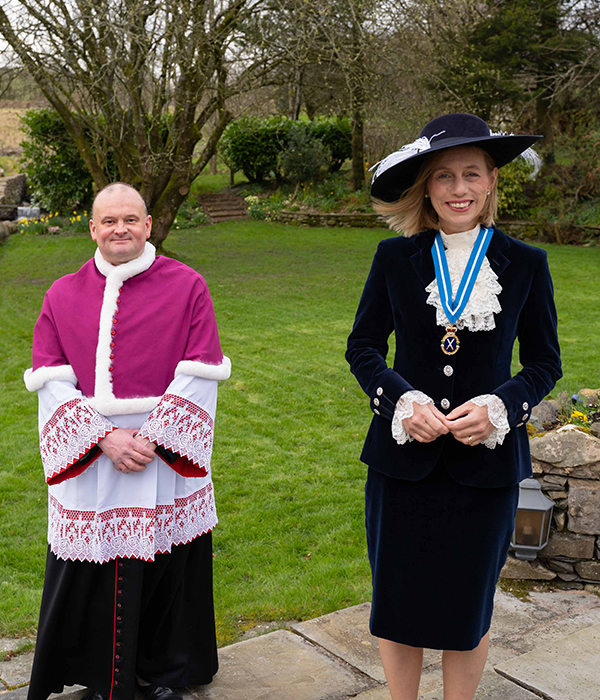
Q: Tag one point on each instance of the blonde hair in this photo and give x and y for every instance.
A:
(413, 212)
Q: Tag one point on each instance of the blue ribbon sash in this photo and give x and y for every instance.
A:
(454, 306)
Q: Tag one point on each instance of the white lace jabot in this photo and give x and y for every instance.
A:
(483, 304)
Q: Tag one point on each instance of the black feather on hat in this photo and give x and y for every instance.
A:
(397, 172)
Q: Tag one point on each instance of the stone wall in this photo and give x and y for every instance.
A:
(12, 189)
(566, 463)
(6, 228)
(357, 220)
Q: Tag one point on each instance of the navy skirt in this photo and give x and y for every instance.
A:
(436, 549)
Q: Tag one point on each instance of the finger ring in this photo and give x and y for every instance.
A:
(470, 441)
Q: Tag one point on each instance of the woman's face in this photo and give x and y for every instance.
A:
(458, 188)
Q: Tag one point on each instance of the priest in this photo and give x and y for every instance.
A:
(126, 361)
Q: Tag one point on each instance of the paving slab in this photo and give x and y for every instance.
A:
(71, 692)
(512, 615)
(564, 601)
(281, 665)
(13, 643)
(491, 687)
(16, 671)
(553, 630)
(380, 692)
(19, 694)
(567, 669)
(345, 634)
(431, 680)
(334, 657)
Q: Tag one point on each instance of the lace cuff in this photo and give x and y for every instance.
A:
(71, 432)
(404, 409)
(183, 427)
(498, 416)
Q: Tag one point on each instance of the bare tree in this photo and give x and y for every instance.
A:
(150, 78)
(330, 52)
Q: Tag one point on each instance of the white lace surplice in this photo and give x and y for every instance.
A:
(102, 513)
(477, 316)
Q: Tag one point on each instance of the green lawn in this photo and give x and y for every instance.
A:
(290, 423)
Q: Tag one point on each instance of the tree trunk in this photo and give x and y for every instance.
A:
(165, 211)
(549, 28)
(358, 140)
(357, 87)
(544, 126)
(295, 102)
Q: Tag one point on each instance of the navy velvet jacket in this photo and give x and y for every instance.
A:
(394, 300)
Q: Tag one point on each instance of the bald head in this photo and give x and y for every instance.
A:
(116, 188)
(120, 224)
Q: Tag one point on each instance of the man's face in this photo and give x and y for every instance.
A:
(119, 225)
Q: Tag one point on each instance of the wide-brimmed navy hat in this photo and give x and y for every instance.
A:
(397, 172)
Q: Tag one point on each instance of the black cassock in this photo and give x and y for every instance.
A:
(103, 624)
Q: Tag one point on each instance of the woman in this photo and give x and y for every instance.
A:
(447, 446)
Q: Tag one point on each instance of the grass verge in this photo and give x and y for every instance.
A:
(291, 420)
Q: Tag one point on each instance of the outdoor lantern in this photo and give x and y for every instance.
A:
(532, 524)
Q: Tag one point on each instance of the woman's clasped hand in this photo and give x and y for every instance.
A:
(468, 423)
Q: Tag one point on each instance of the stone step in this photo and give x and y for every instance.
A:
(223, 206)
(224, 216)
(225, 210)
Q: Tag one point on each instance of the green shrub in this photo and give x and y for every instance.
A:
(336, 134)
(304, 158)
(56, 173)
(190, 215)
(264, 208)
(254, 144)
(512, 200)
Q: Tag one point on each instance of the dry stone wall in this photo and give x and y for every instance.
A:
(333, 220)
(566, 463)
(12, 189)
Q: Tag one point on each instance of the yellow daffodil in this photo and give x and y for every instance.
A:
(580, 415)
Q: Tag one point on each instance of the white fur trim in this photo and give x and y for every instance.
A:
(203, 370)
(119, 407)
(104, 400)
(128, 269)
(35, 380)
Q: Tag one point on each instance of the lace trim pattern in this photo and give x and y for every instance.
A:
(132, 532)
(498, 416)
(483, 304)
(405, 409)
(181, 426)
(71, 431)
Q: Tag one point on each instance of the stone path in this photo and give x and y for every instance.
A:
(547, 646)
